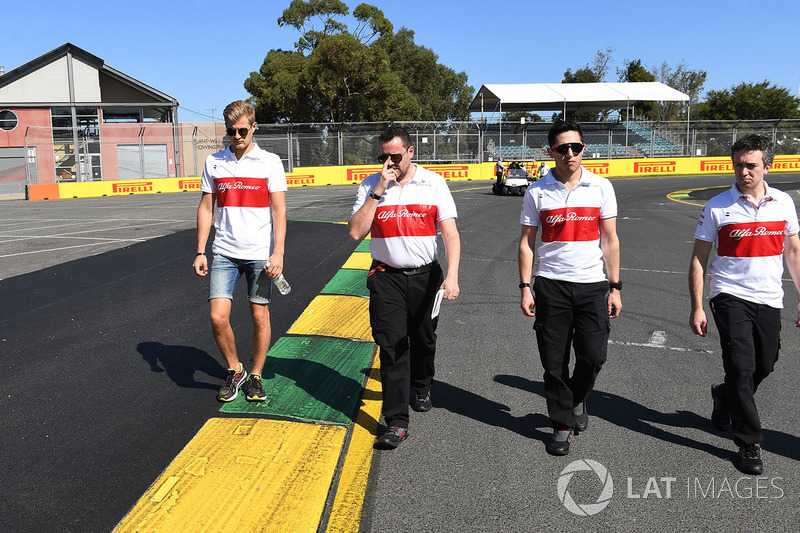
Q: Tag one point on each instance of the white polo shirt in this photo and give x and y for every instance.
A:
(241, 188)
(569, 225)
(403, 233)
(749, 239)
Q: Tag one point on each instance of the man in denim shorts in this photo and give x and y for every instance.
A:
(248, 186)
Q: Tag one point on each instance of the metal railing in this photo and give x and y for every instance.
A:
(137, 151)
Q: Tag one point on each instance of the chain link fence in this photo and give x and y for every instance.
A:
(139, 151)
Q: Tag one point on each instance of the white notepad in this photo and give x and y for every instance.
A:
(437, 303)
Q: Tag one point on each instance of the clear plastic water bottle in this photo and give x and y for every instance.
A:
(281, 284)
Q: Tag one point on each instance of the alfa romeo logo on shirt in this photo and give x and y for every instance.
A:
(585, 509)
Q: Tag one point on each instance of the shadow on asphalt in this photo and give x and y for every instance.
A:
(181, 362)
(633, 416)
(471, 405)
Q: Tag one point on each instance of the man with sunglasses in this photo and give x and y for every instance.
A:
(754, 227)
(248, 186)
(401, 206)
(572, 300)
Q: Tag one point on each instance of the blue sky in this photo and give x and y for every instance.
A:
(201, 52)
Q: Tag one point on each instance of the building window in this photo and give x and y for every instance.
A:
(122, 115)
(8, 120)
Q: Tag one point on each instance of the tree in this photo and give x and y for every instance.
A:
(371, 74)
(750, 101)
(515, 116)
(634, 72)
(689, 82)
(594, 73)
(441, 92)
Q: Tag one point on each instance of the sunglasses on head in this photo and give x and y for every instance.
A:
(241, 131)
(396, 158)
(563, 148)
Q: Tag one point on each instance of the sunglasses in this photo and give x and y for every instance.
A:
(241, 131)
(396, 158)
(563, 148)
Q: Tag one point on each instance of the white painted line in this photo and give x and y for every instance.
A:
(658, 338)
(95, 230)
(62, 248)
(64, 237)
(648, 345)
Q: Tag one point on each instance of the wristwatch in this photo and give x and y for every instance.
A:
(375, 196)
(523, 285)
(617, 285)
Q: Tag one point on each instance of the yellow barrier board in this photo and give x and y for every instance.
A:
(335, 316)
(355, 174)
(245, 475)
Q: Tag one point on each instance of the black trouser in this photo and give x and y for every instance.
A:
(570, 315)
(750, 335)
(400, 315)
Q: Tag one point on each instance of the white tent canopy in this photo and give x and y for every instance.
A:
(570, 96)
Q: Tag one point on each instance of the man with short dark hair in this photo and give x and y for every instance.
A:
(244, 193)
(572, 298)
(401, 206)
(499, 171)
(754, 227)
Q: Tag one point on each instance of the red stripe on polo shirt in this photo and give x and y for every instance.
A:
(415, 220)
(242, 192)
(570, 224)
(751, 239)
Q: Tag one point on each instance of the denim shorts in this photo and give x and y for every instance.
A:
(226, 273)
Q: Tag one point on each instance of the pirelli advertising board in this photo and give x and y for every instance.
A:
(353, 175)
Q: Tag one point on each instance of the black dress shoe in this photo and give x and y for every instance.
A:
(391, 438)
(559, 447)
(748, 460)
(581, 420)
(422, 402)
(720, 417)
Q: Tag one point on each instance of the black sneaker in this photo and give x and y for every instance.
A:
(233, 381)
(748, 460)
(581, 420)
(720, 417)
(560, 447)
(254, 390)
(422, 402)
(392, 437)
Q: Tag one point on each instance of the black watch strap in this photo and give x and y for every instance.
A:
(375, 196)
(617, 285)
(523, 285)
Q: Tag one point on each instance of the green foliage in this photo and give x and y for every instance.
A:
(441, 92)
(684, 79)
(634, 72)
(515, 116)
(594, 73)
(750, 101)
(371, 74)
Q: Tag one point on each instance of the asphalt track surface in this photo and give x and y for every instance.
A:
(110, 368)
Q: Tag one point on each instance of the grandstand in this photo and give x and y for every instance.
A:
(604, 140)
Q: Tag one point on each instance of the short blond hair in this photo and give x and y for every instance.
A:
(238, 109)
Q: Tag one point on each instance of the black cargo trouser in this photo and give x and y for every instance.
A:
(750, 337)
(400, 315)
(570, 315)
